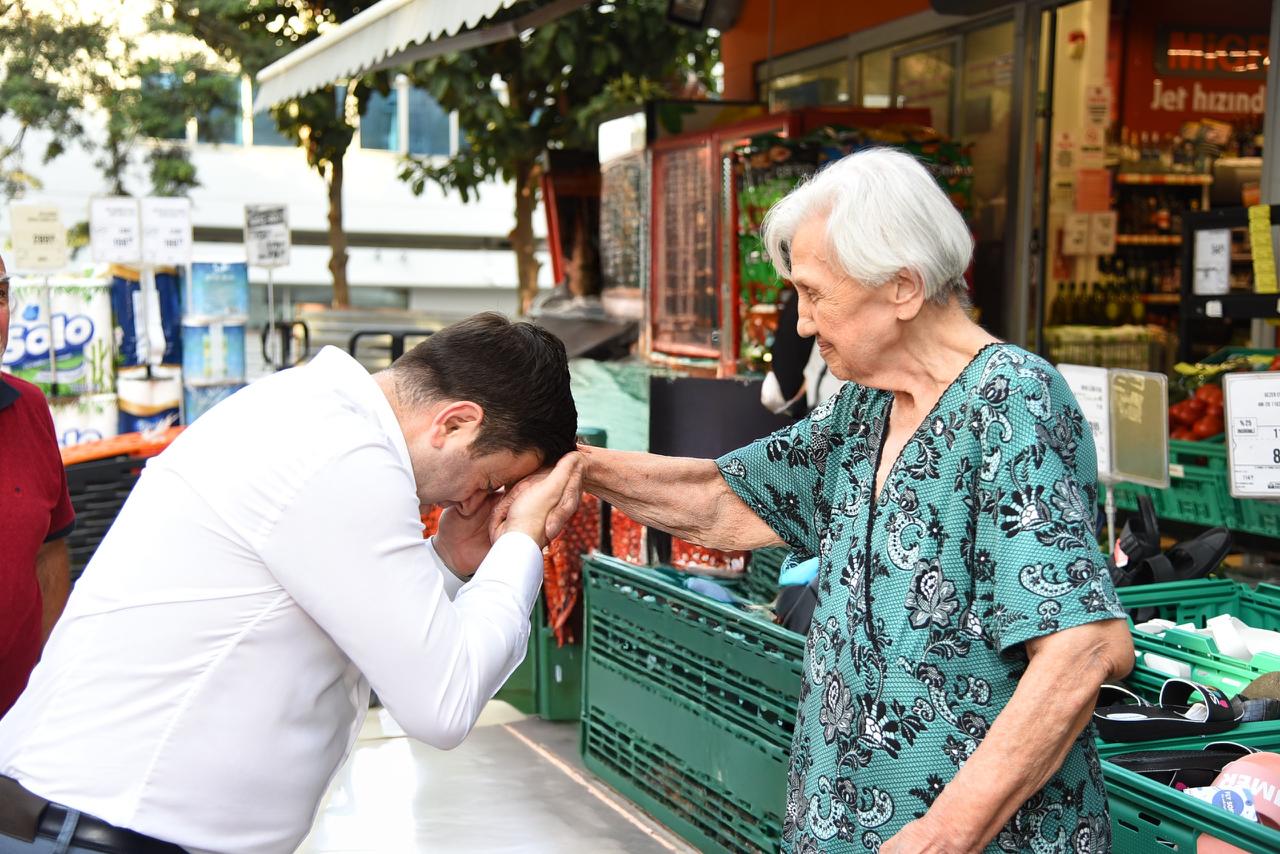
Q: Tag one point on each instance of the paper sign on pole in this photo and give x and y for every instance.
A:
(39, 240)
(1140, 427)
(1097, 104)
(1252, 403)
(266, 235)
(166, 231)
(1093, 392)
(114, 235)
(1211, 262)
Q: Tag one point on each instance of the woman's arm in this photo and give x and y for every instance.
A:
(1028, 741)
(685, 497)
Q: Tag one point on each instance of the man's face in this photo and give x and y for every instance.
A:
(446, 470)
(4, 307)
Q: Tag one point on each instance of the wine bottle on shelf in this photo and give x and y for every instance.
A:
(1058, 306)
(1071, 306)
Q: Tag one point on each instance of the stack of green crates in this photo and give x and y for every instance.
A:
(1195, 602)
(688, 706)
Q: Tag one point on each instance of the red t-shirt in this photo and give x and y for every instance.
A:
(34, 509)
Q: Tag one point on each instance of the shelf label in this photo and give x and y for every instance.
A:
(266, 235)
(1139, 427)
(1075, 234)
(114, 236)
(1102, 233)
(1092, 390)
(1211, 263)
(166, 230)
(1264, 258)
(39, 240)
(1253, 433)
(1213, 308)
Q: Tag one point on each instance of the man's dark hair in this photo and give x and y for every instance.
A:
(517, 372)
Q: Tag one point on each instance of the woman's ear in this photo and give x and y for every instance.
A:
(908, 294)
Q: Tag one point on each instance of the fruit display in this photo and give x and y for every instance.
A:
(562, 580)
(1198, 417)
(431, 521)
(706, 561)
(627, 536)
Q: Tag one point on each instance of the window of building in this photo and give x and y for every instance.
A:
(223, 123)
(379, 123)
(162, 124)
(429, 131)
(820, 86)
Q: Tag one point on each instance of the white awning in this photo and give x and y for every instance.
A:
(393, 33)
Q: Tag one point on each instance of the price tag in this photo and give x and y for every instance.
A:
(1253, 433)
(114, 235)
(1102, 233)
(1140, 427)
(39, 240)
(1075, 234)
(1213, 308)
(1263, 250)
(1097, 104)
(1211, 262)
(266, 235)
(1092, 389)
(166, 231)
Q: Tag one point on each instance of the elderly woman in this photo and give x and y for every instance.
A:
(966, 620)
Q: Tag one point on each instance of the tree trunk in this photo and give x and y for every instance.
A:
(528, 174)
(337, 238)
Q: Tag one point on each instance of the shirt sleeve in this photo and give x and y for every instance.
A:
(1036, 562)
(349, 550)
(452, 583)
(62, 520)
(782, 476)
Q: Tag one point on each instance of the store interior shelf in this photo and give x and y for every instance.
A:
(1169, 179)
(1148, 239)
(1162, 299)
(1235, 306)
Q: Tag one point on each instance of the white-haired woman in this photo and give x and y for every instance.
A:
(966, 620)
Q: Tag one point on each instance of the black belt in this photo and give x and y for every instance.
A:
(25, 816)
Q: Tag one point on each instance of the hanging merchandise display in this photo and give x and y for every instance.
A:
(213, 349)
(65, 327)
(84, 418)
(217, 289)
(128, 304)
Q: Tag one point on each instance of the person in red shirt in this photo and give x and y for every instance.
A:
(35, 518)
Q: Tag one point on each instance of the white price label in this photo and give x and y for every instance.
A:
(1253, 433)
(39, 240)
(1211, 263)
(266, 235)
(166, 231)
(114, 234)
(1102, 233)
(1075, 234)
(1092, 391)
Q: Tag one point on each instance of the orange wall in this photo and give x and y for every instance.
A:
(797, 24)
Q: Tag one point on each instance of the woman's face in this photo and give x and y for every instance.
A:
(854, 325)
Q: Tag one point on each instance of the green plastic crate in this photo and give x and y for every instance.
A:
(1260, 517)
(1195, 602)
(558, 677)
(521, 687)
(1199, 491)
(688, 706)
(1150, 818)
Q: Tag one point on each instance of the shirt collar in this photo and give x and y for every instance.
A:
(360, 384)
(8, 394)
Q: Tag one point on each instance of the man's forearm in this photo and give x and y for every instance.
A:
(1026, 745)
(685, 497)
(53, 573)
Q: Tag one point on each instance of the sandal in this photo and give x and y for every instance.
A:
(1139, 540)
(1183, 769)
(1174, 716)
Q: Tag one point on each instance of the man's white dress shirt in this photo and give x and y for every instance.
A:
(209, 674)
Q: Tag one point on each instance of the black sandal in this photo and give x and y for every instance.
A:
(1139, 540)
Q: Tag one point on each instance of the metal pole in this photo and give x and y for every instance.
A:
(271, 319)
(147, 282)
(53, 344)
(1022, 173)
(1111, 518)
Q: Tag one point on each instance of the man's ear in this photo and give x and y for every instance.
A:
(458, 420)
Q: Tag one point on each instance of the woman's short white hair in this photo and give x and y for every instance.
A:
(884, 214)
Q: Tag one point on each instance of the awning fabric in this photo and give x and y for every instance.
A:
(393, 33)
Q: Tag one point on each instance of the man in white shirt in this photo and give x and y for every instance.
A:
(213, 664)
